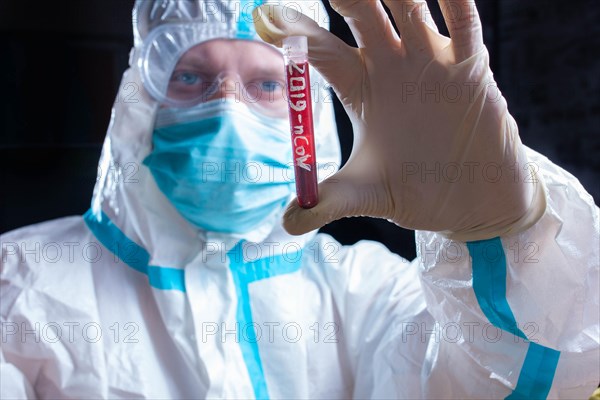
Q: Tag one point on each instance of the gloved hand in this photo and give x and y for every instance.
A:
(434, 145)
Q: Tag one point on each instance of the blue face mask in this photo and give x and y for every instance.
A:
(223, 167)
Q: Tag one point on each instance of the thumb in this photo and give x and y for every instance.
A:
(339, 196)
(339, 63)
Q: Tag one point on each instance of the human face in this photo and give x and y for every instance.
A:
(241, 70)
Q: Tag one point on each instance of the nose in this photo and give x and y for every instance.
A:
(229, 87)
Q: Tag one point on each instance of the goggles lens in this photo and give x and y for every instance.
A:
(244, 71)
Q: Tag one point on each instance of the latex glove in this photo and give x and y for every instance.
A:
(434, 145)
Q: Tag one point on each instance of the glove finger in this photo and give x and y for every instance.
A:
(422, 13)
(401, 10)
(367, 20)
(342, 195)
(418, 30)
(339, 63)
(464, 25)
(431, 41)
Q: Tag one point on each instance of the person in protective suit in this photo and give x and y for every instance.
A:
(189, 278)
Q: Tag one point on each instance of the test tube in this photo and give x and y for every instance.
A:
(295, 51)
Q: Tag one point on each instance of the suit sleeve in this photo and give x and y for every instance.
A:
(510, 317)
(13, 383)
(518, 316)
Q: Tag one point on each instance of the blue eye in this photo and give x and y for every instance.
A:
(271, 86)
(187, 78)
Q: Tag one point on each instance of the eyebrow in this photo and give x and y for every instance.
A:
(192, 60)
(269, 71)
(198, 62)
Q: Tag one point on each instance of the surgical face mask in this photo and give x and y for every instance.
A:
(222, 166)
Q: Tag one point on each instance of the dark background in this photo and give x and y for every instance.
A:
(62, 61)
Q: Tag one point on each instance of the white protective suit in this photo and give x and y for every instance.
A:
(131, 301)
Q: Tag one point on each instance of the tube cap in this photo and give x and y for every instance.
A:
(296, 48)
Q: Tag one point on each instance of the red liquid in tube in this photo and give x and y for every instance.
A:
(301, 121)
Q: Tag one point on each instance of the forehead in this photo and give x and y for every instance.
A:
(237, 54)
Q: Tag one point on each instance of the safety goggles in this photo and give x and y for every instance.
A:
(184, 65)
(190, 85)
